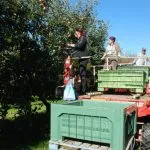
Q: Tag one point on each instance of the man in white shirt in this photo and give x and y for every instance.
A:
(112, 48)
(112, 52)
(142, 59)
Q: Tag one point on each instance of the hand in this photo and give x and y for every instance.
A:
(133, 63)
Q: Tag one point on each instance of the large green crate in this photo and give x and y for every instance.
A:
(146, 69)
(122, 79)
(112, 123)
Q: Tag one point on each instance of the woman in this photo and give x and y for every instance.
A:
(81, 51)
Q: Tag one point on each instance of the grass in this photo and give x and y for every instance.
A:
(41, 146)
(25, 132)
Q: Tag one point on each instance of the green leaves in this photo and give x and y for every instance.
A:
(33, 41)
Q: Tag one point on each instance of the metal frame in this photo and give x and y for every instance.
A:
(78, 145)
(107, 60)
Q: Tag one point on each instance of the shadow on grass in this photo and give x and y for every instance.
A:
(25, 133)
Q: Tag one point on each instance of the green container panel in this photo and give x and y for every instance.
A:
(121, 78)
(146, 69)
(113, 84)
(120, 73)
(137, 90)
(103, 122)
(100, 89)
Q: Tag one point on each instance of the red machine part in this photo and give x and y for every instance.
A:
(143, 109)
(148, 89)
(143, 104)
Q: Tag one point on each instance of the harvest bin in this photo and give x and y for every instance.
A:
(112, 123)
(122, 79)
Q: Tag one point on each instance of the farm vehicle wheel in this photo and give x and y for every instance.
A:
(145, 145)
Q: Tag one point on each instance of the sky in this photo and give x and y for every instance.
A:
(129, 22)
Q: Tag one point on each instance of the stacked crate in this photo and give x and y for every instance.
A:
(124, 79)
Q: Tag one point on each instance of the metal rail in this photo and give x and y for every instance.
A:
(121, 57)
(84, 57)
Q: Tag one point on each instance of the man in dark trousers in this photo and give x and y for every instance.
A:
(81, 51)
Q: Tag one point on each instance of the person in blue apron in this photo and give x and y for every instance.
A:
(81, 50)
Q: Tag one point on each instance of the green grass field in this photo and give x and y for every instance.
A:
(25, 132)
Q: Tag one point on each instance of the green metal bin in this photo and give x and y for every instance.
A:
(122, 79)
(112, 123)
